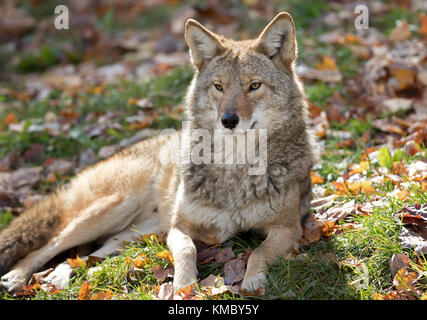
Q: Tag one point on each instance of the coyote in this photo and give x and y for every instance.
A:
(238, 87)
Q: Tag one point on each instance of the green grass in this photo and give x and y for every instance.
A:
(351, 265)
(163, 91)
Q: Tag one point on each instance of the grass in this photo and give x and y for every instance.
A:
(163, 91)
(351, 265)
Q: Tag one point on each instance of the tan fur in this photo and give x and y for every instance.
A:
(210, 202)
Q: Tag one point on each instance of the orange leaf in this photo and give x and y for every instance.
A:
(10, 118)
(398, 168)
(84, 291)
(360, 168)
(351, 38)
(97, 90)
(141, 261)
(150, 237)
(166, 255)
(328, 228)
(423, 28)
(405, 77)
(405, 280)
(187, 292)
(76, 263)
(316, 178)
(377, 296)
(327, 64)
(342, 188)
(367, 188)
(103, 295)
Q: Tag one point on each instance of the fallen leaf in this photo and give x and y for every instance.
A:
(103, 295)
(351, 38)
(166, 255)
(212, 280)
(403, 195)
(29, 290)
(413, 233)
(92, 261)
(328, 228)
(405, 279)
(186, 293)
(224, 255)
(84, 291)
(34, 153)
(311, 229)
(10, 119)
(400, 32)
(161, 273)
(360, 168)
(234, 271)
(316, 178)
(76, 263)
(396, 104)
(397, 262)
(423, 28)
(405, 78)
(165, 291)
(141, 261)
(206, 255)
(327, 63)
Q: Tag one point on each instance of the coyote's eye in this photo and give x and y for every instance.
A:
(219, 87)
(254, 85)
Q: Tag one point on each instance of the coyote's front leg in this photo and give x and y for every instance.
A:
(279, 242)
(184, 255)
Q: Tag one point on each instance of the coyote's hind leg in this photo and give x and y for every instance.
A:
(96, 220)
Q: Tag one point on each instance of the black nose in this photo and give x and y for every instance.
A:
(230, 120)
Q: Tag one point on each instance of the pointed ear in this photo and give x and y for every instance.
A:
(204, 44)
(277, 40)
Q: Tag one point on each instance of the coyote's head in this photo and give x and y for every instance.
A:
(242, 85)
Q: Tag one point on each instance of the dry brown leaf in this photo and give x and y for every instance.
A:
(206, 255)
(405, 279)
(234, 271)
(162, 274)
(397, 262)
(224, 255)
(400, 32)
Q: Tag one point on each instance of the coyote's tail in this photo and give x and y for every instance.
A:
(29, 232)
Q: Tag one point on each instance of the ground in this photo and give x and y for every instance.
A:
(69, 98)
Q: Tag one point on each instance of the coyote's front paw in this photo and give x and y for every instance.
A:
(180, 281)
(14, 280)
(253, 283)
(60, 277)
